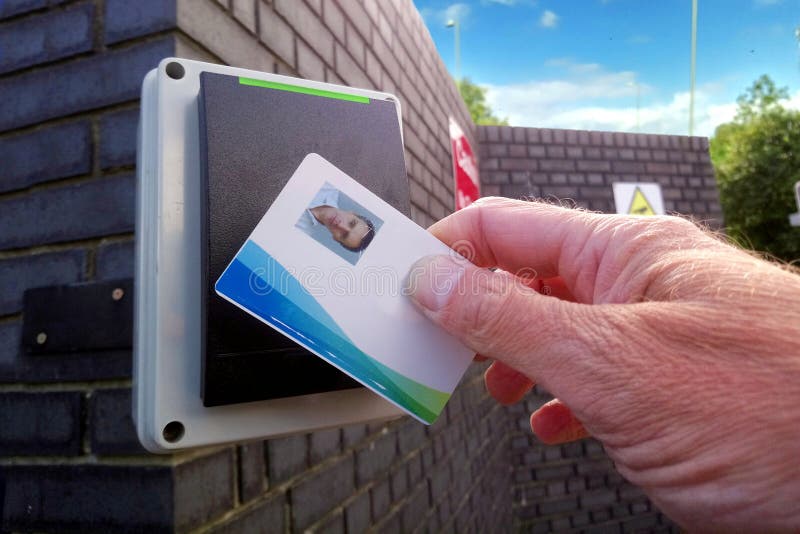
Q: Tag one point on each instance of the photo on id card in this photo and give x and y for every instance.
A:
(326, 266)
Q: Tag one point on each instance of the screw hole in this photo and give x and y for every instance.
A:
(173, 432)
(175, 70)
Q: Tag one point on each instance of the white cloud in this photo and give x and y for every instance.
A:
(501, 2)
(765, 3)
(586, 96)
(548, 19)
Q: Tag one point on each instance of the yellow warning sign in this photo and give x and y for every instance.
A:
(640, 205)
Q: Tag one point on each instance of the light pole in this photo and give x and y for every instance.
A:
(694, 61)
(453, 23)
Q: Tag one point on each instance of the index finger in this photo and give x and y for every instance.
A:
(515, 235)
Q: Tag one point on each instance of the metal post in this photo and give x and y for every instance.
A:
(694, 61)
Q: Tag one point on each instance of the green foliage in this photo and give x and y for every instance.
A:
(757, 162)
(475, 98)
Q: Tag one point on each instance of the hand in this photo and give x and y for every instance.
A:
(680, 353)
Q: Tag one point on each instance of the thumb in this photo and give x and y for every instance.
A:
(497, 315)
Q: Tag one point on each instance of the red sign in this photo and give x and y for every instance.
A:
(465, 168)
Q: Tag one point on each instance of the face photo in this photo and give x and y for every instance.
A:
(338, 223)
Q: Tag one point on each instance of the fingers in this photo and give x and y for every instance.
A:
(505, 384)
(500, 318)
(555, 423)
(518, 236)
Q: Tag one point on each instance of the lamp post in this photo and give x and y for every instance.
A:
(453, 23)
(693, 63)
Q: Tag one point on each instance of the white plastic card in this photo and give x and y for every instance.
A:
(326, 266)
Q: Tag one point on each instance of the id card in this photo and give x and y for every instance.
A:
(326, 267)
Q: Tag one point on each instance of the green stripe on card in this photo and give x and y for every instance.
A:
(303, 90)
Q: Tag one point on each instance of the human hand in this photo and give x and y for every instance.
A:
(681, 354)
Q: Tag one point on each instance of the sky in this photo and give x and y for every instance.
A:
(618, 65)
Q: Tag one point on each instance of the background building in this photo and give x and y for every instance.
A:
(70, 75)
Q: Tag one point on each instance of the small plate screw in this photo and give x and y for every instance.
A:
(118, 293)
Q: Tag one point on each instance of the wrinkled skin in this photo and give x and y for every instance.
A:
(681, 354)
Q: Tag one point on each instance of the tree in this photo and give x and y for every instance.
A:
(475, 98)
(757, 162)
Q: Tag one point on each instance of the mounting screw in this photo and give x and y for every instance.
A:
(118, 293)
(41, 338)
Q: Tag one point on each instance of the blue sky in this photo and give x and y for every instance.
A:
(581, 63)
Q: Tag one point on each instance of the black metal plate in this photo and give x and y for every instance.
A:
(93, 316)
(253, 139)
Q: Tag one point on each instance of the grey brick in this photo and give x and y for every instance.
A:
(355, 45)
(286, 457)
(599, 466)
(276, 34)
(375, 458)
(662, 168)
(245, 12)
(324, 444)
(252, 471)
(358, 16)
(556, 165)
(99, 498)
(353, 434)
(558, 507)
(520, 165)
(398, 481)
(380, 497)
(76, 211)
(83, 84)
(357, 514)
(556, 152)
(114, 260)
(334, 20)
(45, 154)
(266, 516)
(410, 437)
(203, 489)
(598, 499)
(574, 152)
(516, 151)
(118, 138)
(439, 481)
(53, 35)
(308, 26)
(415, 509)
(333, 523)
(125, 20)
(309, 64)
(533, 135)
(24, 272)
(554, 472)
(110, 423)
(15, 7)
(40, 423)
(640, 523)
(315, 495)
(633, 167)
(594, 166)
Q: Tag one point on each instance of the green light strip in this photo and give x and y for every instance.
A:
(303, 90)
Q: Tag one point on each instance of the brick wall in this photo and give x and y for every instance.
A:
(575, 486)
(582, 165)
(70, 73)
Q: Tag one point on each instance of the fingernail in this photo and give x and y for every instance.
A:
(432, 280)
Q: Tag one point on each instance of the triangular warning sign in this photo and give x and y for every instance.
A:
(640, 205)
